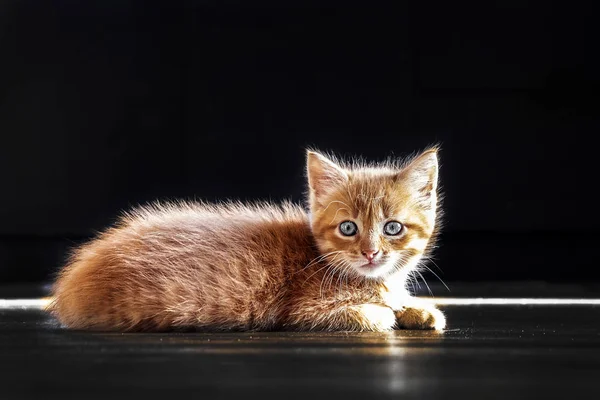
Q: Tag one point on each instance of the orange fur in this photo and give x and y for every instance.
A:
(263, 267)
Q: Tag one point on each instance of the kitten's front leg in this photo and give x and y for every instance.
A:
(374, 317)
(360, 317)
(412, 313)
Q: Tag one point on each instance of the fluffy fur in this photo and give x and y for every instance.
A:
(264, 266)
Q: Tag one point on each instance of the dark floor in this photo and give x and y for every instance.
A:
(487, 352)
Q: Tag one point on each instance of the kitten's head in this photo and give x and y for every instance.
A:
(373, 220)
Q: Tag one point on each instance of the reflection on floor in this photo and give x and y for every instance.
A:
(500, 351)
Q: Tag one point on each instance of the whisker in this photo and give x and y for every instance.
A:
(331, 269)
(322, 257)
(415, 280)
(329, 273)
(342, 275)
(436, 275)
(347, 275)
(412, 283)
(433, 262)
(335, 272)
(323, 280)
(313, 274)
(318, 259)
(424, 281)
(411, 279)
(337, 269)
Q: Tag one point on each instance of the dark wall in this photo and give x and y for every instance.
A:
(107, 104)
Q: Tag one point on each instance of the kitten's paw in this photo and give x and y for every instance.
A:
(420, 318)
(375, 317)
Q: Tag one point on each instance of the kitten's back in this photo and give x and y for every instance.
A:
(186, 264)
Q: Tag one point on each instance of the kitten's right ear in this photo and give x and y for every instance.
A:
(323, 174)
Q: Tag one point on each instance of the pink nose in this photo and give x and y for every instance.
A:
(370, 254)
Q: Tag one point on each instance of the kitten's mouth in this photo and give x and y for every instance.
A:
(373, 269)
(372, 264)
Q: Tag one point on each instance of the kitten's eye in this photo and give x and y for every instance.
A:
(348, 228)
(392, 228)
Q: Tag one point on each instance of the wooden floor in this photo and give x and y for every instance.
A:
(487, 352)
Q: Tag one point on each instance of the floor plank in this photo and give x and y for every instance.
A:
(491, 352)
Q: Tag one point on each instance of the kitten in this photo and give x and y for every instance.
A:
(343, 266)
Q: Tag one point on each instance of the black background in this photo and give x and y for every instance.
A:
(108, 104)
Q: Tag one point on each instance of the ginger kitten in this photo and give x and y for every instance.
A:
(343, 266)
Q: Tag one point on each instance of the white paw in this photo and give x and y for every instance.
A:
(378, 318)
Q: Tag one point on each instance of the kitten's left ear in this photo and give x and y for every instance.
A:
(421, 176)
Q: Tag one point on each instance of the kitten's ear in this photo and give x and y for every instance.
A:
(323, 174)
(421, 177)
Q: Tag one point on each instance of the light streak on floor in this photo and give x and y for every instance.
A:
(41, 303)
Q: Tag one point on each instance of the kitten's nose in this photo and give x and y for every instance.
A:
(370, 254)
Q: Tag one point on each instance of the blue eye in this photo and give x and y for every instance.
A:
(348, 228)
(392, 228)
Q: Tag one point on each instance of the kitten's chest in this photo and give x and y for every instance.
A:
(393, 291)
(330, 282)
